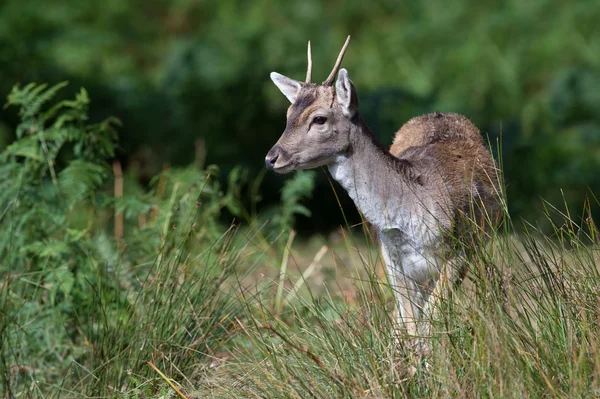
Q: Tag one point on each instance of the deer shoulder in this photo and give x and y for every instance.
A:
(448, 152)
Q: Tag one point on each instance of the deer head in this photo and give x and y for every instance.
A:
(319, 120)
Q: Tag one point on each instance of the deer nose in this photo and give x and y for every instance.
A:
(270, 161)
(272, 157)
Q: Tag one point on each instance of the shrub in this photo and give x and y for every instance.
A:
(82, 310)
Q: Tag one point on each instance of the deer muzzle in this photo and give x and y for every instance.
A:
(277, 160)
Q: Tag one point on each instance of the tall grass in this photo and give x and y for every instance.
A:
(525, 323)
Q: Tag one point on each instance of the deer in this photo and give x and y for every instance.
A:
(437, 176)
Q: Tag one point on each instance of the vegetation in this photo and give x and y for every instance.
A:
(530, 331)
(84, 310)
(179, 73)
(109, 290)
(132, 266)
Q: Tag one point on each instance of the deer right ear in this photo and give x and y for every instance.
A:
(345, 93)
(289, 87)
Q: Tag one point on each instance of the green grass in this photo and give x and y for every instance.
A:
(524, 324)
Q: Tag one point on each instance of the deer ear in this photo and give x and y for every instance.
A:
(289, 87)
(345, 93)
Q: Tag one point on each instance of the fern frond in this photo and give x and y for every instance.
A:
(32, 97)
(132, 206)
(79, 179)
(71, 110)
(27, 147)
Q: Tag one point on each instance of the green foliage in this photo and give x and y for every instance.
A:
(35, 209)
(296, 189)
(81, 307)
(525, 72)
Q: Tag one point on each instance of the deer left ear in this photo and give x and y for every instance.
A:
(345, 93)
(289, 87)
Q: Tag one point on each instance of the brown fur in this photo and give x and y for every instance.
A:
(452, 149)
(433, 128)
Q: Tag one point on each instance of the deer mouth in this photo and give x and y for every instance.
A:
(282, 169)
(280, 161)
(279, 166)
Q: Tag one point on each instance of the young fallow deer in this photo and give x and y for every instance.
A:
(417, 196)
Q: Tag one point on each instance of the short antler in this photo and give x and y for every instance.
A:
(309, 69)
(337, 65)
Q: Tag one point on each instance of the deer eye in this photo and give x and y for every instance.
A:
(319, 120)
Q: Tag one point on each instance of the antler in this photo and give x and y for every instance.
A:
(337, 65)
(309, 69)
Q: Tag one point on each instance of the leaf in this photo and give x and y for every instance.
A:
(59, 280)
(132, 206)
(76, 235)
(295, 189)
(27, 147)
(301, 210)
(79, 179)
(32, 97)
(233, 206)
(54, 249)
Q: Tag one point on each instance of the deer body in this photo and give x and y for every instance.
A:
(437, 171)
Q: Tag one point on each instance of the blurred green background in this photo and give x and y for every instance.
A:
(189, 79)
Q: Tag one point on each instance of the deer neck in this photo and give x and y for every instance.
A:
(378, 183)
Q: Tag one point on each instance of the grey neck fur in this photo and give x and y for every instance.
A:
(381, 186)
